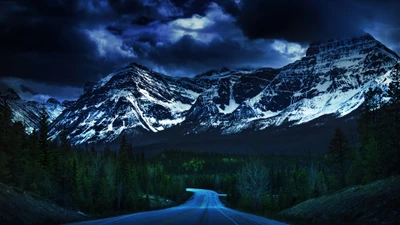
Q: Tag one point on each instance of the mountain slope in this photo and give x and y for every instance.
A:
(35, 210)
(329, 80)
(28, 112)
(134, 99)
(374, 203)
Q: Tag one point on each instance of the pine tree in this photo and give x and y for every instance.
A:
(143, 172)
(356, 171)
(93, 149)
(394, 89)
(34, 170)
(44, 139)
(392, 159)
(5, 125)
(75, 184)
(104, 198)
(132, 189)
(4, 167)
(18, 156)
(64, 144)
(319, 185)
(369, 118)
(107, 151)
(127, 179)
(303, 185)
(372, 161)
(338, 152)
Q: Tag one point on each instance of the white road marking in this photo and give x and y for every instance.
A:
(227, 216)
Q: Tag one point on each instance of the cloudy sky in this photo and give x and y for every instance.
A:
(52, 47)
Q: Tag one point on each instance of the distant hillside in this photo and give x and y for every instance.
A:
(19, 207)
(374, 203)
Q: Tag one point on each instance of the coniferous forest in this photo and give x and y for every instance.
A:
(103, 180)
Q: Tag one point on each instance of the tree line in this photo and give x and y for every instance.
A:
(84, 178)
(264, 186)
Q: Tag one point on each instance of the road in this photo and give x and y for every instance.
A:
(202, 208)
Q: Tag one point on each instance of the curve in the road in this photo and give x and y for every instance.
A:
(202, 208)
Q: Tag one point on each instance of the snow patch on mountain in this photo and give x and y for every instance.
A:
(29, 112)
(330, 80)
(232, 103)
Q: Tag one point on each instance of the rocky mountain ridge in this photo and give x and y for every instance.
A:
(29, 112)
(330, 80)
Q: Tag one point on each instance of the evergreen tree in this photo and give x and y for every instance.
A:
(356, 171)
(394, 89)
(372, 161)
(93, 149)
(319, 185)
(4, 167)
(34, 170)
(338, 152)
(104, 198)
(17, 162)
(392, 156)
(44, 140)
(303, 185)
(369, 118)
(107, 151)
(127, 179)
(64, 144)
(5, 125)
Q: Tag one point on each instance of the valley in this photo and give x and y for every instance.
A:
(180, 112)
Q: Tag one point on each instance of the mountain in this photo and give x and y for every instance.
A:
(134, 99)
(329, 81)
(28, 112)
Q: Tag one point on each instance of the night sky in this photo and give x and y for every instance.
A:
(52, 47)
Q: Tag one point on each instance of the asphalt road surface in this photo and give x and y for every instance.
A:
(203, 208)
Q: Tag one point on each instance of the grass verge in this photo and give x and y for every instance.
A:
(20, 207)
(374, 203)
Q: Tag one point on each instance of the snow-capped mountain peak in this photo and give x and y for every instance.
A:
(29, 112)
(133, 99)
(329, 80)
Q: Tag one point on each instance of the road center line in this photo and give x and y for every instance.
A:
(115, 219)
(227, 216)
(184, 214)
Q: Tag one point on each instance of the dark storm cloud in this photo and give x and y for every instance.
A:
(42, 41)
(38, 91)
(142, 20)
(60, 42)
(115, 30)
(191, 45)
(41, 27)
(383, 21)
(27, 89)
(298, 21)
(309, 20)
(143, 12)
(191, 7)
(126, 7)
(69, 42)
(188, 57)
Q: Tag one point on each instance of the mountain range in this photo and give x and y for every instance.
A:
(224, 108)
(29, 112)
